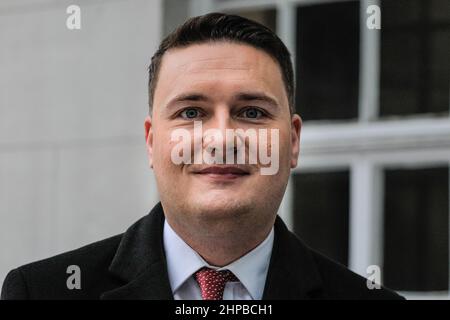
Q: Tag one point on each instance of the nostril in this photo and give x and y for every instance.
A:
(211, 150)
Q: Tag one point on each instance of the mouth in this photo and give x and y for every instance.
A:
(223, 172)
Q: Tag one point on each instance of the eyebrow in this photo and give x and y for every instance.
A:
(189, 97)
(256, 96)
(241, 96)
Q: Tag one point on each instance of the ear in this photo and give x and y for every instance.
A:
(296, 127)
(149, 139)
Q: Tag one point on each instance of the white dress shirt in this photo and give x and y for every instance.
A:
(182, 262)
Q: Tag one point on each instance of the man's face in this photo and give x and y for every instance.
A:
(225, 86)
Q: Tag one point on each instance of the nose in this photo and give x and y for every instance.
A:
(220, 120)
(219, 136)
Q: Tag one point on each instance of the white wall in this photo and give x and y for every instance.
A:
(73, 165)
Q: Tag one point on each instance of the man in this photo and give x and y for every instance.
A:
(215, 234)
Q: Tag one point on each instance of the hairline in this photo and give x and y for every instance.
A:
(155, 79)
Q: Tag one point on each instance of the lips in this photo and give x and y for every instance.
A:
(223, 172)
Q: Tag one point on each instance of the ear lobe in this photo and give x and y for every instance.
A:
(296, 127)
(149, 139)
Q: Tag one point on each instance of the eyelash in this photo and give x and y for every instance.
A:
(178, 115)
(263, 113)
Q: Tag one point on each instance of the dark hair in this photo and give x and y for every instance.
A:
(225, 27)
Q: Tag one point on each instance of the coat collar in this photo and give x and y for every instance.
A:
(140, 261)
(140, 264)
(293, 273)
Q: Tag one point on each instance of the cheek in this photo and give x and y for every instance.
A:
(284, 155)
(282, 146)
(162, 147)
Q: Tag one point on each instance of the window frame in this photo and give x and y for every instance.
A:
(366, 146)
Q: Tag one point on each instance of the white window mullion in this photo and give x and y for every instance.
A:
(286, 210)
(285, 28)
(286, 25)
(369, 66)
(365, 216)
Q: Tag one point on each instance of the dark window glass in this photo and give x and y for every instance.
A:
(321, 212)
(415, 64)
(328, 61)
(416, 231)
(266, 17)
(175, 12)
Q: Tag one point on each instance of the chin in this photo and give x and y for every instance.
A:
(219, 205)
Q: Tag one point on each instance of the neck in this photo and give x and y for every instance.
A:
(221, 243)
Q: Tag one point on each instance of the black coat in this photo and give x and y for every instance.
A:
(133, 266)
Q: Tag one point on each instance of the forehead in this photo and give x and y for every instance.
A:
(216, 54)
(219, 66)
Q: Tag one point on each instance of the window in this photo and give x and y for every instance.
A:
(350, 79)
(328, 61)
(321, 206)
(266, 17)
(415, 64)
(416, 229)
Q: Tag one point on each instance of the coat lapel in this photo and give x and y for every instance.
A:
(140, 261)
(292, 271)
(140, 264)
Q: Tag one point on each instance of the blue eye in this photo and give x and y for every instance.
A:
(189, 113)
(253, 113)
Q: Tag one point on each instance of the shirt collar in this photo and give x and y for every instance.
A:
(251, 269)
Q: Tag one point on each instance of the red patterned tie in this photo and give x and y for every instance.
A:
(212, 282)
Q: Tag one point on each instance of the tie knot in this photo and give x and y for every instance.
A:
(212, 282)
